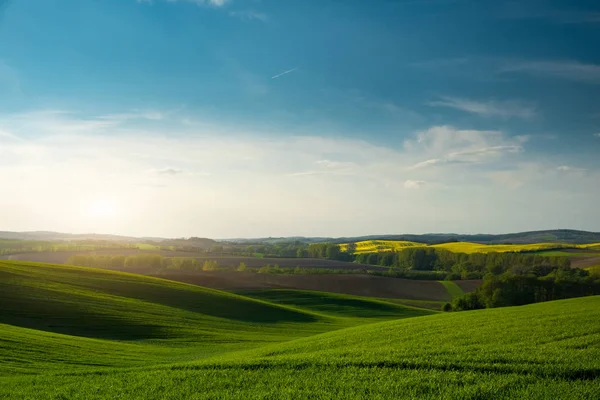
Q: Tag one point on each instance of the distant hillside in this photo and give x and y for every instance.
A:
(54, 236)
(547, 236)
(550, 236)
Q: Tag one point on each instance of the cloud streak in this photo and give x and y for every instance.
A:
(446, 145)
(569, 70)
(250, 16)
(503, 109)
(213, 3)
(410, 184)
(167, 171)
(258, 181)
(289, 71)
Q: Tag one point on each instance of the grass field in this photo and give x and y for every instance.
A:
(453, 288)
(109, 308)
(335, 305)
(76, 333)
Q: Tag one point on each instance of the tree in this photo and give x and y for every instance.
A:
(210, 266)
(332, 252)
(242, 267)
(351, 249)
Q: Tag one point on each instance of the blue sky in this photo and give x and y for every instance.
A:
(327, 118)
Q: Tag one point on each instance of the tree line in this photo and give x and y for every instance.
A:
(139, 261)
(529, 285)
(461, 265)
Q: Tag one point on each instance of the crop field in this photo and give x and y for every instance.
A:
(77, 333)
(549, 249)
(372, 246)
(351, 284)
(453, 288)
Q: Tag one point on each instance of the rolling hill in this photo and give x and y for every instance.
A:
(137, 318)
(76, 333)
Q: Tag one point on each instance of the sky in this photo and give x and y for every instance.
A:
(256, 118)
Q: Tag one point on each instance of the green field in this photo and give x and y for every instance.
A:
(454, 290)
(77, 333)
(373, 246)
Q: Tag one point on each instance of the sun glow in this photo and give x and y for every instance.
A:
(102, 208)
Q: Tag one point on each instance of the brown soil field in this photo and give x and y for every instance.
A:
(355, 284)
(61, 257)
(469, 285)
(584, 262)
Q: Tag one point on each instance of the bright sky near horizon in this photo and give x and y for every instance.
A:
(252, 118)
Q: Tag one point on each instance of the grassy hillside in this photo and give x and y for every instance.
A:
(336, 305)
(547, 350)
(123, 320)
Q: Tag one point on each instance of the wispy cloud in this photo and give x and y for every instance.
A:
(532, 10)
(597, 134)
(447, 146)
(410, 184)
(570, 70)
(469, 156)
(504, 109)
(250, 15)
(85, 160)
(213, 3)
(167, 171)
(289, 71)
(569, 168)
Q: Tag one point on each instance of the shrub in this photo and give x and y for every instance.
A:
(210, 266)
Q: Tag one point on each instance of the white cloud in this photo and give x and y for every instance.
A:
(570, 70)
(410, 184)
(214, 3)
(504, 109)
(446, 145)
(167, 171)
(256, 181)
(597, 134)
(289, 71)
(568, 168)
(249, 15)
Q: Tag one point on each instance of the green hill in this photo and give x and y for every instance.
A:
(183, 345)
(62, 316)
(336, 305)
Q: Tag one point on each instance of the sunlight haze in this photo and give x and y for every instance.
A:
(251, 119)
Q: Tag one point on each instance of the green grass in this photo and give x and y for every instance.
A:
(537, 351)
(566, 254)
(134, 337)
(336, 305)
(594, 270)
(147, 246)
(453, 288)
(136, 318)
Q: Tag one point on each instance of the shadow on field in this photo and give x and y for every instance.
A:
(61, 313)
(330, 303)
(114, 306)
